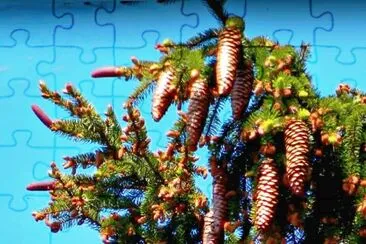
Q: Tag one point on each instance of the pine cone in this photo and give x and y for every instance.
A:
(41, 186)
(163, 94)
(242, 89)
(227, 59)
(266, 194)
(215, 218)
(297, 148)
(197, 112)
(42, 116)
(208, 228)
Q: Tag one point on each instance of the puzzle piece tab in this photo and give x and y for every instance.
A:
(131, 21)
(36, 17)
(294, 18)
(348, 30)
(19, 61)
(19, 159)
(84, 20)
(16, 109)
(328, 73)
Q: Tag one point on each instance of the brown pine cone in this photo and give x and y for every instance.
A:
(266, 194)
(197, 112)
(215, 218)
(242, 89)
(297, 149)
(163, 94)
(227, 59)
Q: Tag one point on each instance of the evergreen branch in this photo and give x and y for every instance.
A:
(214, 120)
(57, 99)
(216, 8)
(142, 91)
(80, 130)
(104, 200)
(121, 183)
(90, 116)
(352, 143)
(153, 168)
(202, 38)
(80, 179)
(84, 160)
(113, 129)
(177, 131)
(139, 138)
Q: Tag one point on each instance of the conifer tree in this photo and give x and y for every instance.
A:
(288, 166)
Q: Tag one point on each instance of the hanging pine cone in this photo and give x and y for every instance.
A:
(163, 94)
(228, 54)
(215, 218)
(208, 228)
(266, 194)
(297, 148)
(242, 89)
(197, 112)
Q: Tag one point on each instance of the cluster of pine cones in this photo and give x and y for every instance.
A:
(234, 77)
(297, 171)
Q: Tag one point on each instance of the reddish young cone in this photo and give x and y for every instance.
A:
(163, 94)
(242, 89)
(42, 116)
(41, 186)
(266, 194)
(297, 149)
(227, 59)
(197, 112)
(106, 72)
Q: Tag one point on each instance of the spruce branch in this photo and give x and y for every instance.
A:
(217, 9)
(201, 38)
(142, 91)
(214, 121)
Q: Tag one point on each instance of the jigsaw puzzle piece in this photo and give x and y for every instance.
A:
(145, 51)
(328, 73)
(18, 115)
(65, 66)
(360, 54)
(19, 61)
(295, 18)
(345, 27)
(80, 35)
(18, 173)
(85, 233)
(20, 225)
(37, 17)
(131, 21)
